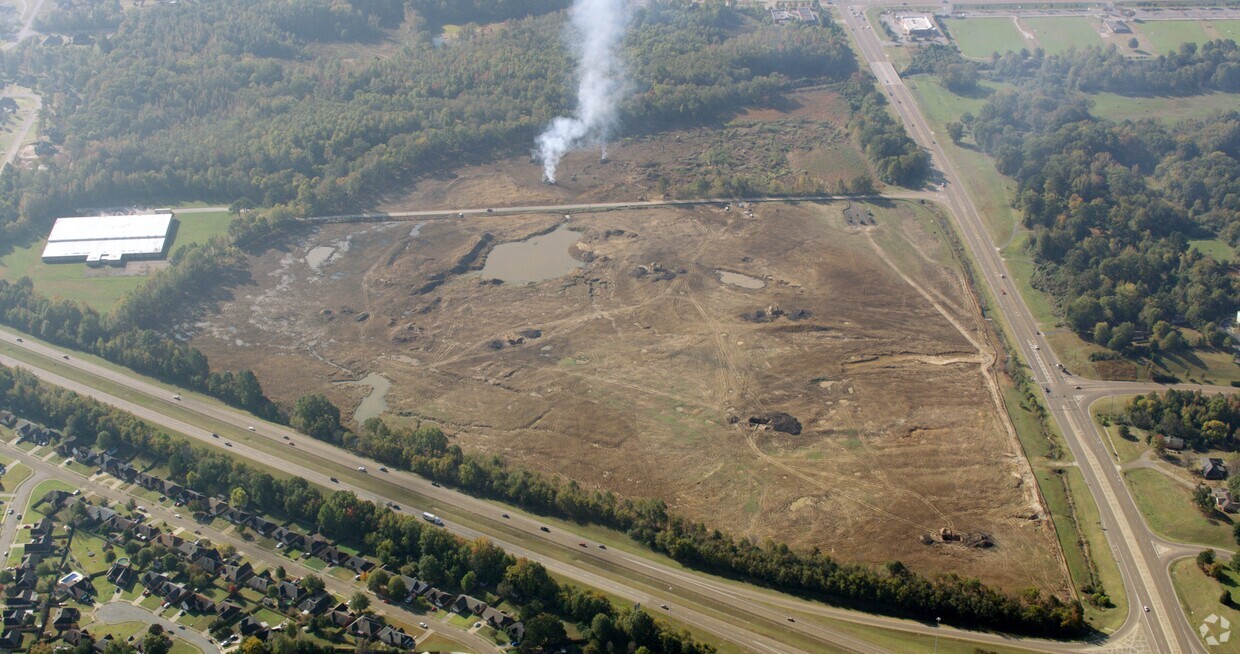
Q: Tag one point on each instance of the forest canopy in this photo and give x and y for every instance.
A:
(1111, 206)
(270, 103)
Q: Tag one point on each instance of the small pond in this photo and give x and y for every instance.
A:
(535, 259)
(737, 279)
(375, 402)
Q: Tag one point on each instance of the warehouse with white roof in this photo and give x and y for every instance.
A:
(111, 240)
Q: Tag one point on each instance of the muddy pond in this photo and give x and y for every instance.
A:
(737, 279)
(535, 259)
(375, 402)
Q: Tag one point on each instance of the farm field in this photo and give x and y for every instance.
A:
(1059, 34)
(979, 37)
(101, 288)
(637, 355)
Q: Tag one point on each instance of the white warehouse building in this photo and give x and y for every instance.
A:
(111, 240)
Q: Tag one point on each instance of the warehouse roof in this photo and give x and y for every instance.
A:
(99, 239)
(101, 228)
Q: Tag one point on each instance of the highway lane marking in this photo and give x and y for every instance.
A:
(1147, 578)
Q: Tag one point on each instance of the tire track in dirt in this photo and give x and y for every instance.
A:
(753, 446)
(987, 372)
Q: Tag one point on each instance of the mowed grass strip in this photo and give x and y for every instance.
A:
(1062, 33)
(1168, 508)
(1089, 524)
(980, 37)
(1168, 35)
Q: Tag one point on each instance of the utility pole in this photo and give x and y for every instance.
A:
(938, 622)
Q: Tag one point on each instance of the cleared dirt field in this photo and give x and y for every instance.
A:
(639, 370)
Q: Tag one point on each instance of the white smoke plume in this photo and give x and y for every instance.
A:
(597, 29)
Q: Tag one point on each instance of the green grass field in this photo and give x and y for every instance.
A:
(1217, 248)
(1199, 597)
(1168, 508)
(1200, 365)
(1059, 34)
(15, 475)
(1120, 107)
(440, 643)
(1227, 29)
(990, 190)
(44, 487)
(70, 281)
(979, 37)
(1168, 35)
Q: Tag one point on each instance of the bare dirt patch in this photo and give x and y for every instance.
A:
(639, 371)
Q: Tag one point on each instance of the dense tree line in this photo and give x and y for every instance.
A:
(1191, 70)
(898, 590)
(69, 324)
(461, 12)
(69, 16)
(896, 158)
(400, 541)
(1207, 421)
(1111, 207)
(238, 99)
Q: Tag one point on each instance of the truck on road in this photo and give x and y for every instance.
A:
(432, 518)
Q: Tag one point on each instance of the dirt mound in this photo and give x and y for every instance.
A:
(777, 420)
(624, 384)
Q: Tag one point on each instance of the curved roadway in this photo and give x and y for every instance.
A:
(1164, 626)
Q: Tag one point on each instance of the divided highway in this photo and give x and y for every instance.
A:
(752, 617)
(1163, 627)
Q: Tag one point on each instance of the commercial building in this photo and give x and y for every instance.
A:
(917, 25)
(111, 240)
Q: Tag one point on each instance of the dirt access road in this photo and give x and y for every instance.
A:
(639, 371)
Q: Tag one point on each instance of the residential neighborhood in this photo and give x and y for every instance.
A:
(175, 573)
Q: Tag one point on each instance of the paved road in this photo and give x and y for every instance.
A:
(19, 134)
(1145, 576)
(102, 486)
(28, 15)
(605, 206)
(117, 612)
(695, 598)
(11, 525)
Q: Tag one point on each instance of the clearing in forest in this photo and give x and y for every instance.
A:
(640, 346)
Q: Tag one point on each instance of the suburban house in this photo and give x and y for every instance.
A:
(466, 605)
(1212, 468)
(1224, 502)
(396, 638)
(238, 574)
(366, 627)
(67, 618)
(121, 574)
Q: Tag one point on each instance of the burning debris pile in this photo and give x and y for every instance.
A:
(597, 28)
